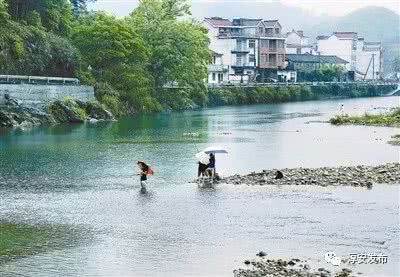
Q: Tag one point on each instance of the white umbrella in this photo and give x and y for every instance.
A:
(203, 158)
(215, 149)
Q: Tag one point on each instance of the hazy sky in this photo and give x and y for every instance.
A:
(317, 7)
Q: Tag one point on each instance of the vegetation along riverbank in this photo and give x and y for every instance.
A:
(357, 176)
(390, 119)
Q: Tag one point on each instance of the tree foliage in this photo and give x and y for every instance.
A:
(130, 61)
(178, 52)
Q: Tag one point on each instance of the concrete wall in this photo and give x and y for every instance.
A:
(42, 95)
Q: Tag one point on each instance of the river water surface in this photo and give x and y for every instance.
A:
(81, 177)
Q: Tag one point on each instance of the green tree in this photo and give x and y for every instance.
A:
(4, 16)
(178, 52)
(56, 15)
(116, 55)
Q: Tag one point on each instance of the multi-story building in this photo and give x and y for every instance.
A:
(250, 48)
(298, 43)
(365, 58)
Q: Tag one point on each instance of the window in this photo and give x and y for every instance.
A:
(213, 76)
(263, 58)
(298, 50)
(249, 72)
(220, 77)
(252, 43)
(214, 60)
(264, 43)
(260, 30)
(238, 60)
(277, 31)
(252, 58)
(269, 31)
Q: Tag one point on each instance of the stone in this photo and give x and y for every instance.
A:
(262, 254)
(247, 262)
(278, 175)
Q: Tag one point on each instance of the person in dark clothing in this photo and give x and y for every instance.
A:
(144, 171)
(211, 165)
(202, 169)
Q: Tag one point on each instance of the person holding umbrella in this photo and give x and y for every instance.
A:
(203, 161)
(211, 165)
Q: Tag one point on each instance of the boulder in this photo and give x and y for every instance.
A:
(67, 111)
(97, 111)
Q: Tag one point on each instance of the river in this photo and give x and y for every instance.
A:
(81, 177)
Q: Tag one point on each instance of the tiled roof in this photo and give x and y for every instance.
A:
(213, 53)
(249, 22)
(346, 35)
(308, 58)
(270, 23)
(322, 37)
(218, 21)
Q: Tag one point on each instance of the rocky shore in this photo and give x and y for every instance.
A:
(68, 110)
(264, 266)
(357, 176)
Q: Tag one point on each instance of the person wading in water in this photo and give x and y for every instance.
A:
(144, 171)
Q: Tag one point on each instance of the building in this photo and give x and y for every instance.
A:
(298, 43)
(340, 44)
(250, 48)
(369, 60)
(217, 71)
(308, 62)
(365, 59)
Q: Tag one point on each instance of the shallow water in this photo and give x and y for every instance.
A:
(81, 176)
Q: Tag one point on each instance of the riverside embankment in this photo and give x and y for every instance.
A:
(27, 105)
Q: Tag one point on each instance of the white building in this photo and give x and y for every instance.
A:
(365, 58)
(298, 43)
(248, 47)
(217, 72)
(369, 60)
(340, 44)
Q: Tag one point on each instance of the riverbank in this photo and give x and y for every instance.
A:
(67, 110)
(356, 176)
(264, 266)
(281, 94)
(388, 119)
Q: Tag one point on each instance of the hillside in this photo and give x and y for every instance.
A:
(374, 23)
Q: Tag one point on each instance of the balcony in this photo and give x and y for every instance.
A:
(243, 65)
(217, 68)
(241, 50)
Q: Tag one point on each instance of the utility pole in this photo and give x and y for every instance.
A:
(373, 66)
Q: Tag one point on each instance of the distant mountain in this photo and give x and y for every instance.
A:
(373, 23)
